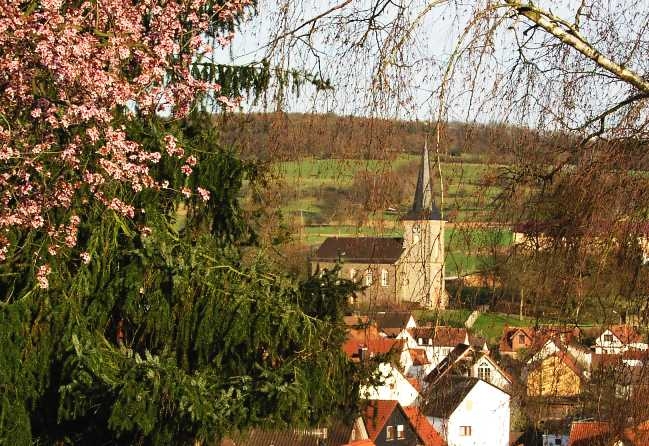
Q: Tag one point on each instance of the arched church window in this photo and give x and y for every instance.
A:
(416, 234)
(384, 277)
(368, 277)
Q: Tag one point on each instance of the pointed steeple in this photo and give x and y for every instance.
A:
(423, 206)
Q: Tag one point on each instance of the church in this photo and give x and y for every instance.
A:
(396, 270)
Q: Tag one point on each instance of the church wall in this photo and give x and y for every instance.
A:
(375, 293)
(420, 268)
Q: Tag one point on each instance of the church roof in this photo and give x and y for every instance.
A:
(423, 206)
(361, 249)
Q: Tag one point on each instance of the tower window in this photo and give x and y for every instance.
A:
(416, 234)
(352, 274)
(368, 277)
(384, 277)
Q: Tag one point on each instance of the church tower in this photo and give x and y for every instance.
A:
(421, 266)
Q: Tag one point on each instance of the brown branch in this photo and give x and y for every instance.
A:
(569, 34)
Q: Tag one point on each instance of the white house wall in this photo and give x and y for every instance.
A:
(394, 387)
(614, 346)
(486, 410)
(497, 378)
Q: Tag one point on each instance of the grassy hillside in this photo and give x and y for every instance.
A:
(333, 197)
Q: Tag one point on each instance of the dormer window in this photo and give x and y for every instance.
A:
(484, 372)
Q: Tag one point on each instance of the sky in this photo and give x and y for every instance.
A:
(410, 91)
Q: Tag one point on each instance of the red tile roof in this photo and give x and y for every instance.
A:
(538, 335)
(626, 333)
(376, 414)
(444, 336)
(425, 431)
(588, 433)
(375, 346)
(418, 356)
(584, 433)
(414, 382)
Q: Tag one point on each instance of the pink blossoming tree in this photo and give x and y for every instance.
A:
(127, 313)
(67, 70)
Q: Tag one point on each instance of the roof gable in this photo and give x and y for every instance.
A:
(447, 395)
(494, 364)
(426, 433)
(370, 250)
(376, 414)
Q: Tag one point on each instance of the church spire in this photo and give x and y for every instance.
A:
(423, 206)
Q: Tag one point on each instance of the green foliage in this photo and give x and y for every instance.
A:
(169, 337)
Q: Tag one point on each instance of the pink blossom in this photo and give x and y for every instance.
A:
(187, 192)
(85, 257)
(41, 276)
(67, 148)
(205, 194)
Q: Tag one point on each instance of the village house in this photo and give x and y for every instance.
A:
(439, 341)
(396, 270)
(391, 323)
(468, 412)
(337, 433)
(466, 361)
(390, 424)
(392, 386)
(517, 342)
(557, 375)
(619, 338)
(582, 355)
(601, 433)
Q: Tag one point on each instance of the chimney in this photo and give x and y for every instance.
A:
(362, 353)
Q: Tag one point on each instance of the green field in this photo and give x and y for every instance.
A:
(312, 187)
(488, 325)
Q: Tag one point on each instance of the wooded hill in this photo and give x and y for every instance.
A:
(291, 136)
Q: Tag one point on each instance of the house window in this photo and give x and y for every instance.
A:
(401, 434)
(521, 339)
(389, 433)
(608, 338)
(384, 277)
(557, 441)
(430, 341)
(484, 372)
(368, 277)
(465, 431)
(420, 341)
(352, 274)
